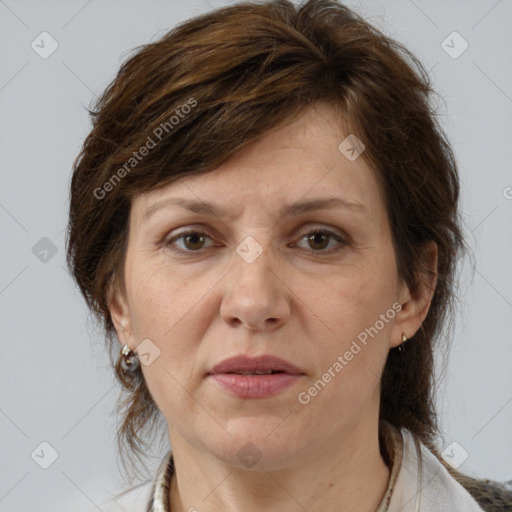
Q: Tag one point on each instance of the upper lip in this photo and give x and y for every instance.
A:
(244, 363)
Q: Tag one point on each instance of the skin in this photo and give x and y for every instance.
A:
(301, 300)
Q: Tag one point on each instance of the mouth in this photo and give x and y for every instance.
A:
(260, 377)
(254, 385)
(261, 365)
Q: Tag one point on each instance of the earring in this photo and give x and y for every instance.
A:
(129, 360)
(404, 339)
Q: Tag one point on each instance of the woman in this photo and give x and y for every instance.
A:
(264, 217)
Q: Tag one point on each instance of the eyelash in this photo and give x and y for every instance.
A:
(332, 235)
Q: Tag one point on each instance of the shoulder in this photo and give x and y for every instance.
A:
(135, 500)
(425, 484)
(147, 495)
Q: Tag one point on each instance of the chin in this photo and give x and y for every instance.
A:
(255, 444)
(261, 427)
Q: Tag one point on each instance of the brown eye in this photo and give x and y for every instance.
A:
(319, 239)
(193, 241)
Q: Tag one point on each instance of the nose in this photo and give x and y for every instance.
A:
(255, 294)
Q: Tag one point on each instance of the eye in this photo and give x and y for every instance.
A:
(193, 241)
(319, 238)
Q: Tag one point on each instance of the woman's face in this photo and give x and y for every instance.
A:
(254, 281)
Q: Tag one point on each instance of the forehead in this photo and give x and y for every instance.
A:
(301, 160)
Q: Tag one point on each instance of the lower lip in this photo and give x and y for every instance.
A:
(254, 386)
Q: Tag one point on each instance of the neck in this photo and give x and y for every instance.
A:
(345, 474)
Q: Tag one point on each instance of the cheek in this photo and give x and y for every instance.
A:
(165, 307)
(354, 300)
(355, 317)
(163, 303)
(350, 345)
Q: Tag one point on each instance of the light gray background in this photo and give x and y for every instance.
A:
(56, 385)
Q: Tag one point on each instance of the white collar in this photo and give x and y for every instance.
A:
(425, 485)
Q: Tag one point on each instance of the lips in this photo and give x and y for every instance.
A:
(262, 365)
(247, 377)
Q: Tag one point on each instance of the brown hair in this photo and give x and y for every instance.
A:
(221, 80)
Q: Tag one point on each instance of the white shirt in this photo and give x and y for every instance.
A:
(427, 487)
(418, 483)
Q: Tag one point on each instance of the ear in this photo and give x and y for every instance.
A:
(416, 304)
(120, 312)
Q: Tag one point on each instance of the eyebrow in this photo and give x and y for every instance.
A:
(293, 209)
